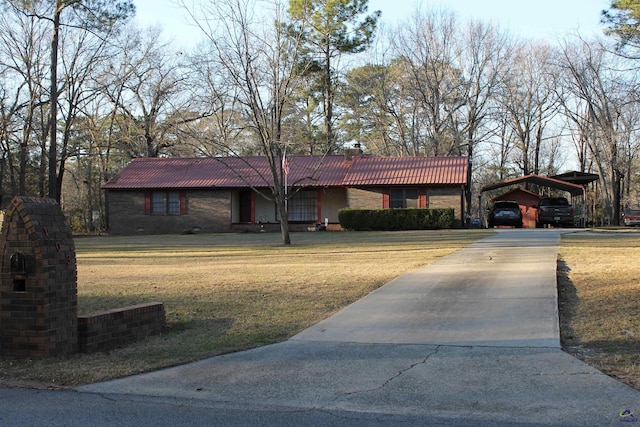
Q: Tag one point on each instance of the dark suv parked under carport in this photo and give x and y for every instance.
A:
(505, 212)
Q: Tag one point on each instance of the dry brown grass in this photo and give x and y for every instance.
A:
(225, 293)
(599, 293)
(230, 292)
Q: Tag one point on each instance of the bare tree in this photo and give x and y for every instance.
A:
(630, 145)
(24, 111)
(253, 54)
(151, 92)
(428, 50)
(82, 56)
(214, 119)
(530, 104)
(482, 57)
(595, 100)
(94, 16)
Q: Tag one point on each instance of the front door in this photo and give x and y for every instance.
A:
(245, 206)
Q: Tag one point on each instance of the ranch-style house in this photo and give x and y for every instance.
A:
(177, 195)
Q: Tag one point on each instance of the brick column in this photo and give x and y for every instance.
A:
(38, 281)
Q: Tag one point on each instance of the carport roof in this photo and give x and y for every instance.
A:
(575, 177)
(545, 181)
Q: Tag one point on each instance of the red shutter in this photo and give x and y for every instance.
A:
(183, 202)
(422, 202)
(385, 200)
(147, 202)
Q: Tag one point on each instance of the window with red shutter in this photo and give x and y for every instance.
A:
(165, 202)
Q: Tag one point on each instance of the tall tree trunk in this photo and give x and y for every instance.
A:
(617, 191)
(53, 146)
(284, 222)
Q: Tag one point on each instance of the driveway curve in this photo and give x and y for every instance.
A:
(471, 339)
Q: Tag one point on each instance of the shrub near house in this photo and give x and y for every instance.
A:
(396, 219)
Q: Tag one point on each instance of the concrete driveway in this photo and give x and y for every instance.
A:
(498, 292)
(471, 339)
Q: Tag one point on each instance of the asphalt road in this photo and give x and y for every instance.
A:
(471, 339)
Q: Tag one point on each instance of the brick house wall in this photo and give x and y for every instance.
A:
(446, 197)
(205, 210)
(210, 211)
(371, 198)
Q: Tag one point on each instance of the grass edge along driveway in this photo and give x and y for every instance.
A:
(599, 300)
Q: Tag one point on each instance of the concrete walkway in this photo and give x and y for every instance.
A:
(471, 339)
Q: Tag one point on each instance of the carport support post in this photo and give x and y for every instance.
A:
(584, 207)
(469, 185)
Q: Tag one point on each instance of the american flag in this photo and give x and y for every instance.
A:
(285, 163)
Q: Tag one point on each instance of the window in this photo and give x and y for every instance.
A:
(303, 206)
(157, 202)
(165, 203)
(173, 203)
(403, 198)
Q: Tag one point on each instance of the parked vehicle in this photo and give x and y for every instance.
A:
(554, 211)
(631, 217)
(505, 212)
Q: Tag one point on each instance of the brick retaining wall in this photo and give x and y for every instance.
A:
(109, 329)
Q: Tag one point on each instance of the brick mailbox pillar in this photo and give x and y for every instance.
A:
(38, 281)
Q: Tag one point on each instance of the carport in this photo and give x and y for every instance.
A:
(576, 191)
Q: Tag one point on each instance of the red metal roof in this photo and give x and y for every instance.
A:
(407, 171)
(315, 171)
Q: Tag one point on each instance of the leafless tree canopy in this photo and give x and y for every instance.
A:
(434, 85)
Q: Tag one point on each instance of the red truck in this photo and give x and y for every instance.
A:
(631, 217)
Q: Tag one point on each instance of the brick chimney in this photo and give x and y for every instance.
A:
(353, 154)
